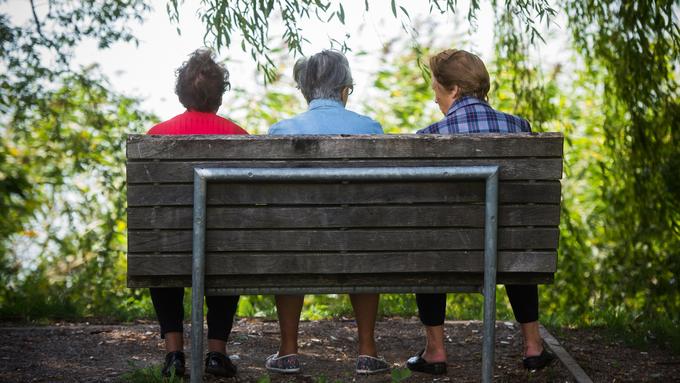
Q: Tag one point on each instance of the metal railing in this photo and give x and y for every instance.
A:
(431, 173)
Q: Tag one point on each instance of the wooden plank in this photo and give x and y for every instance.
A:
(510, 169)
(325, 283)
(342, 240)
(363, 146)
(265, 217)
(365, 193)
(567, 360)
(333, 263)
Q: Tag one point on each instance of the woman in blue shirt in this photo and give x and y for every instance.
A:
(325, 81)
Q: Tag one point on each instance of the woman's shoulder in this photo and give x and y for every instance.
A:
(287, 126)
(230, 126)
(366, 123)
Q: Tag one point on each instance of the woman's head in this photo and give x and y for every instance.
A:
(201, 82)
(457, 73)
(324, 75)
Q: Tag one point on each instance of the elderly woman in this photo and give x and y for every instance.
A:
(200, 85)
(326, 83)
(461, 82)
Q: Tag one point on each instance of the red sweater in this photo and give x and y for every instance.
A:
(192, 122)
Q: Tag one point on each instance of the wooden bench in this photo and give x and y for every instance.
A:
(339, 214)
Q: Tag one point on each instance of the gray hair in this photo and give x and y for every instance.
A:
(323, 75)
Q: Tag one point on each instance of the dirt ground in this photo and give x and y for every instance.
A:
(102, 353)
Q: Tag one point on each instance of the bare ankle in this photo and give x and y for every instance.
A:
(433, 355)
(369, 350)
(533, 349)
(283, 351)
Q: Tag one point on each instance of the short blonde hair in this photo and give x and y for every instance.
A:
(455, 67)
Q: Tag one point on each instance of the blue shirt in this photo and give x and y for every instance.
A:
(472, 115)
(327, 117)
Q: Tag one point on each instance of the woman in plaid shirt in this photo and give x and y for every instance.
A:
(461, 83)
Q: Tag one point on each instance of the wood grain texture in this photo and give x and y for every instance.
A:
(333, 263)
(342, 237)
(510, 169)
(365, 146)
(266, 217)
(338, 194)
(567, 360)
(342, 240)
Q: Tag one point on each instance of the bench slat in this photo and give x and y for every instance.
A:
(385, 146)
(327, 283)
(335, 237)
(510, 169)
(342, 240)
(322, 194)
(332, 263)
(336, 217)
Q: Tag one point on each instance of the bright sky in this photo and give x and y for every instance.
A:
(147, 71)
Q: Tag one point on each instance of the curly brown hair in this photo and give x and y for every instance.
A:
(201, 82)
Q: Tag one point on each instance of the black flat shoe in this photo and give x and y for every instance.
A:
(173, 361)
(539, 362)
(219, 364)
(418, 364)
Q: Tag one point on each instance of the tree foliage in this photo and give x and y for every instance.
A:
(62, 215)
(636, 51)
(247, 23)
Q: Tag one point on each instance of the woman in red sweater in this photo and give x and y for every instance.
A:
(200, 85)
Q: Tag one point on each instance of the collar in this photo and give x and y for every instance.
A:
(197, 111)
(325, 102)
(463, 102)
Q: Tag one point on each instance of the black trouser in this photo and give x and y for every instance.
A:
(523, 299)
(169, 306)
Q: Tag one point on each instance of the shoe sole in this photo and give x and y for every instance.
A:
(430, 369)
(371, 372)
(551, 360)
(283, 371)
(534, 369)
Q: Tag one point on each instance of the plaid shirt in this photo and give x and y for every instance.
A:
(471, 115)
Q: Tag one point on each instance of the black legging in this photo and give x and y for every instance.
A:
(169, 306)
(523, 299)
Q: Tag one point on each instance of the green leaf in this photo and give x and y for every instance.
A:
(400, 374)
(405, 12)
(341, 14)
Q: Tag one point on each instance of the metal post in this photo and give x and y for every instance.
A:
(490, 248)
(427, 173)
(197, 277)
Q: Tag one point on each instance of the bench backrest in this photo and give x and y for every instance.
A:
(342, 236)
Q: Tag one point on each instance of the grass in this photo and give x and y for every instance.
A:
(631, 328)
(150, 374)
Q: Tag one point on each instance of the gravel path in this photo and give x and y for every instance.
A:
(103, 353)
